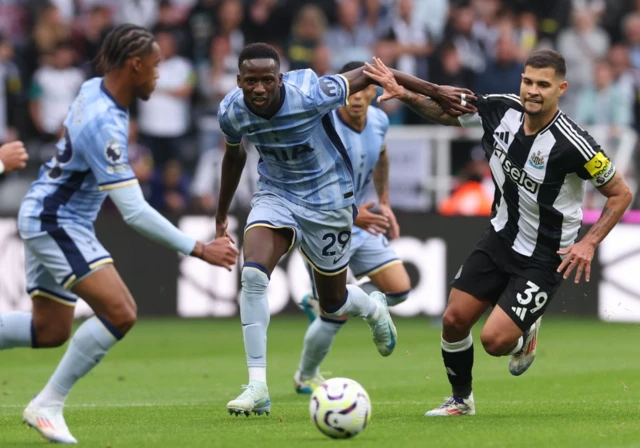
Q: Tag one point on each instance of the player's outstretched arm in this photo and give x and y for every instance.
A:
(142, 217)
(579, 255)
(423, 106)
(13, 156)
(235, 157)
(381, 183)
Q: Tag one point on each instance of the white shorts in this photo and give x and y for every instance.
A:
(370, 254)
(323, 237)
(57, 260)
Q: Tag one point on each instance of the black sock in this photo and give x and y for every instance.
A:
(458, 361)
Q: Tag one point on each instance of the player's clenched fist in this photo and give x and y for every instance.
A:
(13, 156)
(219, 252)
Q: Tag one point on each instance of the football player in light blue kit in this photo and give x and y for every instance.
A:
(363, 130)
(305, 197)
(63, 258)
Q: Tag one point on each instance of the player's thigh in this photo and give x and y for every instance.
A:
(477, 286)
(271, 230)
(331, 289)
(528, 294)
(108, 296)
(53, 306)
(326, 239)
(375, 258)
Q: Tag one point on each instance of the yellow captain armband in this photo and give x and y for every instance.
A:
(600, 169)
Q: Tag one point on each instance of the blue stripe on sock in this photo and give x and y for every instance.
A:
(335, 308)
(397, 294)
(333, 320)
(34, 337)
(258, 266)
(113, 330)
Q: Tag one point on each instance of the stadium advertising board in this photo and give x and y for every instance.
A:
(432, 246)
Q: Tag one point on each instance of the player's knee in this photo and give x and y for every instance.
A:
(50, 335)
(494, 343)
(455, 321)
(123, 317)
(255, 279)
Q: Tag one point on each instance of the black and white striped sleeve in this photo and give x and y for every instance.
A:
(587, 159)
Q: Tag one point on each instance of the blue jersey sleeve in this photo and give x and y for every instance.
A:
(107, 155)
(226, 120)
(329, 92)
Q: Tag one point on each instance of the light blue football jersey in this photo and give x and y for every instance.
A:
(364, 151)
(91, 159)
(302, 158)
(363, 147)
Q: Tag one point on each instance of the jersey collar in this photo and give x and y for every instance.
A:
(106, 92)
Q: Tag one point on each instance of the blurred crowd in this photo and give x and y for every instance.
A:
(47, 49)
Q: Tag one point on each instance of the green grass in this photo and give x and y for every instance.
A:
(167, 383)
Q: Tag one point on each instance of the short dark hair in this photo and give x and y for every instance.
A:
(123, 42)
(350, 66)
(548, 59)
(258, 50)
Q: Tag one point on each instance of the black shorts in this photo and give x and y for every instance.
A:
(496, 273)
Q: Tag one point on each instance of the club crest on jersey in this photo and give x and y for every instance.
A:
(537, 160)
(113, 152)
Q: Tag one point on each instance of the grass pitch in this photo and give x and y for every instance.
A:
(166, 385)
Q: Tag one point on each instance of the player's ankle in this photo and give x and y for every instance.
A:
(462, 392)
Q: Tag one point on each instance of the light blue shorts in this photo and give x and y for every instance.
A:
(370, 254)
(56, 260)
(323, 237)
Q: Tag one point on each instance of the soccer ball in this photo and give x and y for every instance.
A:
(340, 408)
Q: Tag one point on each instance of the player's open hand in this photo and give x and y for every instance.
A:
(220, 252)
(371, 222)
(578, 257)
(14, 156)
(394, 228)
(456, 101)
(221, 229)
(383, 76)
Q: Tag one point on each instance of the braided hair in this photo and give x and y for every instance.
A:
(122, 43)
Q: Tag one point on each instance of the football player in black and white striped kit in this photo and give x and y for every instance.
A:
(540, 160)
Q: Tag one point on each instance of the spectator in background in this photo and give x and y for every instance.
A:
(486, 27)
(604, 103)
(307, 32)
(267, 21)
(377, 17)
(200, 27)
(230, 17)
(623, 73)
(448, 70)
(99, 23)
(583, 45)
(505, 73)
(632, 35)
(170, 188)
(10, 93)
(48, 31)
(349, 40)
(469, 49)
(139, 12)
(53, 89)
(474, 194)
(219, 76)
(164, 120)
(140, 160)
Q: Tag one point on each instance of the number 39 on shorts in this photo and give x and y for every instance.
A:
(533, 293)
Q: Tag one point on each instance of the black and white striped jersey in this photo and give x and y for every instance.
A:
(539, 178)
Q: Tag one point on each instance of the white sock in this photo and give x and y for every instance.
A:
(518, 347)
(15, 330)
(317, 343)
(258, 374)
(88, 346)
(255, 316)
(358, 303)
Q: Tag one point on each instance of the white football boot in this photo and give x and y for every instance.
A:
(255, 398)
(454, 406)
(49, 422)
(307, 385)
(519, 362)
(384, 331)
